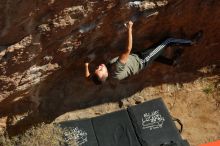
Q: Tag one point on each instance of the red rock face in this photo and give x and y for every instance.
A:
(44, 43)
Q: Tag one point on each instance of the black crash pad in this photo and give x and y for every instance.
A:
(115, 129)
(81, 131)
(154, 125)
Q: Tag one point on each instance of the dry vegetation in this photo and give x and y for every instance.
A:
(41, 135)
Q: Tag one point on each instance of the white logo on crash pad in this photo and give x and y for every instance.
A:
(152, 120)
(76, 134)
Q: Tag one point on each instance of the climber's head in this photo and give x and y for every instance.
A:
(100, 74)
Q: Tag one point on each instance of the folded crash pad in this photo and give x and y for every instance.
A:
(80, 131)
(154, 125)
(115, 129)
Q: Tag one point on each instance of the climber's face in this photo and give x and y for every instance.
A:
(102, 72)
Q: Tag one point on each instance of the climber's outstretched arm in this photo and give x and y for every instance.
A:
(87, 73)
(124, 56)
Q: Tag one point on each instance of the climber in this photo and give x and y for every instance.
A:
(127, 63)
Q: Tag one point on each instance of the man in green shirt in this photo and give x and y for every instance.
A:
(127, 64)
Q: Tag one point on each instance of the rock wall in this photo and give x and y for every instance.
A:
(43, 44)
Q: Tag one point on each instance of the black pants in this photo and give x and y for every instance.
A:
(150, 55)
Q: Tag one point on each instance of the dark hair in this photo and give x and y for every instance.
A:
(96, 79)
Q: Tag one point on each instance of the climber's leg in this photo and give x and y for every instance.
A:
(150, 55)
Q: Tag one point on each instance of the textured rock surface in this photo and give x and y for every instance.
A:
(43, 43)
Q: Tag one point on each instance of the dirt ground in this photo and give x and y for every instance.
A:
(196, 104)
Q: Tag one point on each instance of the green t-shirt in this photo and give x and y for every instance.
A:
(121, 71)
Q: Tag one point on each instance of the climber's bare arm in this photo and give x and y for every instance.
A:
(124, 56)
(87, 73)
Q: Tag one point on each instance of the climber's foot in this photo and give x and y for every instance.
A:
(197, 37)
